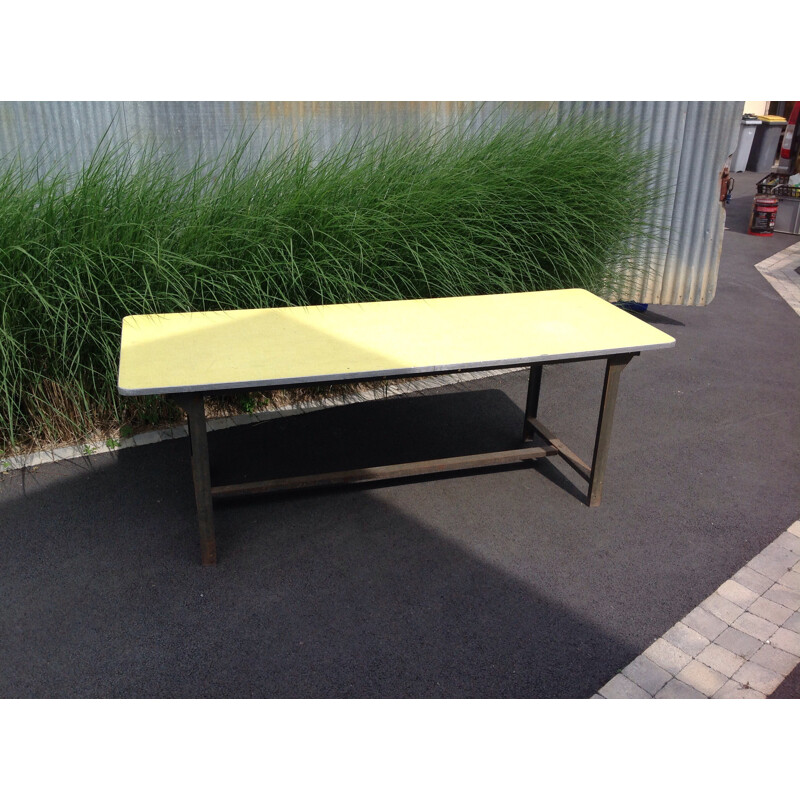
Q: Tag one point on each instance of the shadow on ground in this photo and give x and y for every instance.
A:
(338, 593)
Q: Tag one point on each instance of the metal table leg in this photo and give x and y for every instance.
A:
(532, 404)
(194, 407)
(193, 404)
(614, 366)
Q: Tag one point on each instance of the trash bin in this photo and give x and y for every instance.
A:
(747, 131)
(764, 149)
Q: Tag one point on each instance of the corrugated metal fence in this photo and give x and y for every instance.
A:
(695, 137)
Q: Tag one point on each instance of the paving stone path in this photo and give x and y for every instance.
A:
(740, 642)
(743, 640)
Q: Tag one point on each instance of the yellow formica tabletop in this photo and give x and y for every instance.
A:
(205, 351)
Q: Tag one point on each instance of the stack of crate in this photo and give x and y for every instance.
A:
(788, 216)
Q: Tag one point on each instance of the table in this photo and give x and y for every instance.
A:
(190, 355)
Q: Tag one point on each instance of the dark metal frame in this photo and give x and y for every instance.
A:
(205, 493)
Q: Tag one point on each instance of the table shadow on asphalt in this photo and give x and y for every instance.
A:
(337, 593)
(654, 318)
(394, 430)
(790, 688)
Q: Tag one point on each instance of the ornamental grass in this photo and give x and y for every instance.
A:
(516, 206)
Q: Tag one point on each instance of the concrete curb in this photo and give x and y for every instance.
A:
(40, 457)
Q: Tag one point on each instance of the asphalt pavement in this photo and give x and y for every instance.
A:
(497, 583)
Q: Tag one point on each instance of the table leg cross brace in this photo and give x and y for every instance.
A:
(193, 404)
(595, 474)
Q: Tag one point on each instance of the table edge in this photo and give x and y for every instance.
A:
(391, 373)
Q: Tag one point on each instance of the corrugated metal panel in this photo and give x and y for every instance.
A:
(696, 138)
(72, 131)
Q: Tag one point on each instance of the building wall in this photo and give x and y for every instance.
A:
(756, 107)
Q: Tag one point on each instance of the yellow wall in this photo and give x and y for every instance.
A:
(755, 107)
